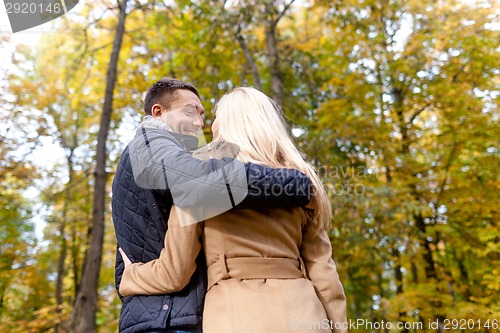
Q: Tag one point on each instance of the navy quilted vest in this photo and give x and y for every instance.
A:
(140, 217)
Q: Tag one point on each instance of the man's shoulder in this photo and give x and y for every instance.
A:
(148, 136)
(124, 157)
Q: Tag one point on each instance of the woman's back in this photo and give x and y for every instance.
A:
(255, 278)
(254, 233)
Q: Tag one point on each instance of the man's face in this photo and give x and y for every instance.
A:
(185, 115)
(215, 128)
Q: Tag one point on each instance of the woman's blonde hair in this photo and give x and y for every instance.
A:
(254, 122)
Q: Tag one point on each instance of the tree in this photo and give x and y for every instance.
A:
(86, 302)
(400, 103)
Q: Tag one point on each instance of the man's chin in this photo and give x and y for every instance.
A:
(190, 133)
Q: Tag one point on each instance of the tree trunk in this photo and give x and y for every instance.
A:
(414, 272)
(430, 268)
(61, 267)
(250, 62)
(86, 303)
(2, 292)
(74, 256)
(398, 273)
(61, 264)
(398, 95)
(273, 56)
(464, 275)
(399, 283)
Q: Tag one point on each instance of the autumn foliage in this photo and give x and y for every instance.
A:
(394, 102)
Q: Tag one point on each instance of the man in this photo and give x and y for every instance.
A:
(154, 172)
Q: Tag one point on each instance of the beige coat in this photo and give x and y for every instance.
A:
(255, 281)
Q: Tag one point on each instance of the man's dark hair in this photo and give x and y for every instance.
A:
(163, 92)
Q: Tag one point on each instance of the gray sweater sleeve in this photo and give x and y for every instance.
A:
(208, 187)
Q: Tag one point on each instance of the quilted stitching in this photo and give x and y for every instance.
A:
(141, 233)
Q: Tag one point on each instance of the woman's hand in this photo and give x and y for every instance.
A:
(126, 260)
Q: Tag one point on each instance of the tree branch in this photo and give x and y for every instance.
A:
(416, 113)
(280, 15)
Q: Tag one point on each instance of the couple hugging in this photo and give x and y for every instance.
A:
(233, 233)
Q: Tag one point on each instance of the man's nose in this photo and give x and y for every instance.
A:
(199, 122)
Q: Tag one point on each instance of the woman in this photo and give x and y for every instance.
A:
(257, 259)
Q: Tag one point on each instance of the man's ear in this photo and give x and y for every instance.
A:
(156, 110)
